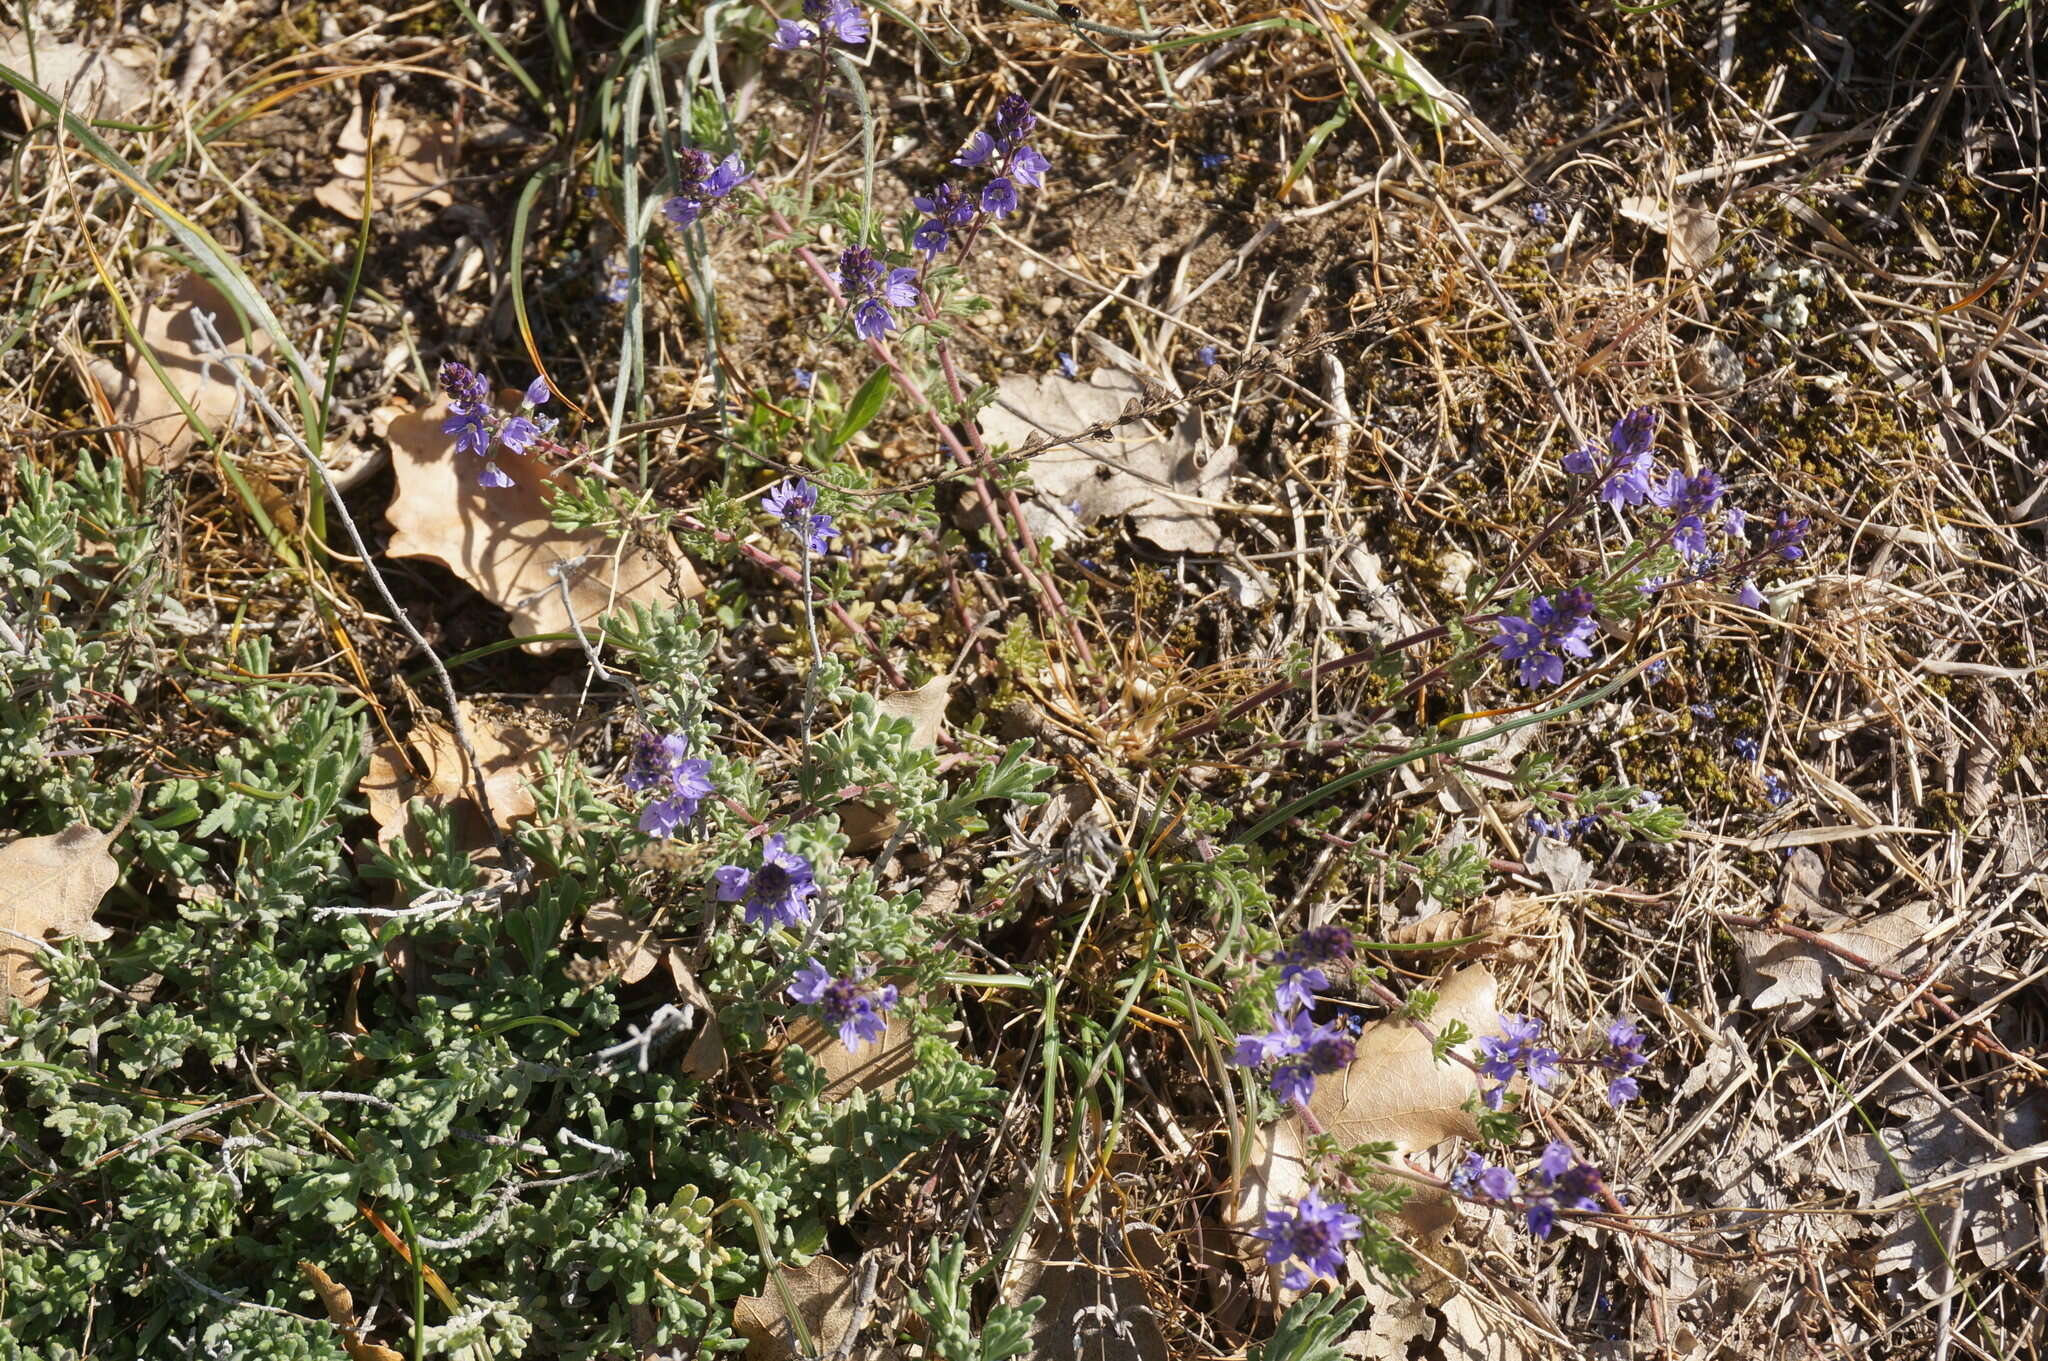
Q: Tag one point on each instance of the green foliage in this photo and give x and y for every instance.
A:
(947, 1312)
(1311, 1329)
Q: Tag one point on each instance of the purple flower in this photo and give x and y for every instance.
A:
(858, 1013)
(804, 378)
(665, 763)
(1539, 213)
(1515, 1050)
(947, 208)
(1775, 791)
(843, 19)
(1067, 369)
(862, 277)
(1746, 749)
(1584, 461)
(790, 500)
(819, 533)
(1540, 641)
(1309, 1051)
(1562, 1183)
(1629, 484)
(1749, 597)
(871, 320)
(1478, 1177)
(1313, 1234)
(979, 148)
(472, 431)
(1633, 433)
(1788, 537)
(1014, 121)
(790, 35)
(1734, 521)
(901, 288)
(536, 393)
(778, 893)
(652, 759)
(1029, 167)
(1624, 1055)
(493, 476)
(730, 175)
(1206, 356)
(1688, 495)
(1301, 976)
(700, 185)
(1689, 536)
(518, 434)
(999, 198)
(468, 388)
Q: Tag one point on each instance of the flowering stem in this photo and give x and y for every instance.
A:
(1047, 593)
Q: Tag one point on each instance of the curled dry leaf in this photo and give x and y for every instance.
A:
(1509, 926)
(630, 953)
(1395, 1091)
(1692, 235)
(867, 825)
(162, 435)
(1780, 972)
(412, 165)
(1136, 472)
(341, 1312)
(500, 540)
(508, 753)
(821, 1289)
(49, 886)
(87, 81)
(705, 1058)
(873, 1068)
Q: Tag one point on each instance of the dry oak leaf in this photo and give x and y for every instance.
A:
(871, 1068)
(867, 825)
(83, 79)
(1395, 1091)
(49, 886)
(500, 540)
(508, 753)
(1691, 235)
(1160, 481)
(341, 1312)
(134, 395)
(412, 165)
(1785, 972)
(822, 1290)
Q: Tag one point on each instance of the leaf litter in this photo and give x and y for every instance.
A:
(1165, 481)
(501, 541)
(50, 887)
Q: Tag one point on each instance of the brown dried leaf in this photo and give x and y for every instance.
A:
(412, 165)
(875, 1068)
(822, 1290)
(1692, 235)
(163, 436)
(49, 886)
(501, 542)
(705, 1058)
(867, 825)
(508, 753)
(1395, 1091)
(1131, 473)
(630, 954)
(1785, 972)
(341, 1312)
(85, 80)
